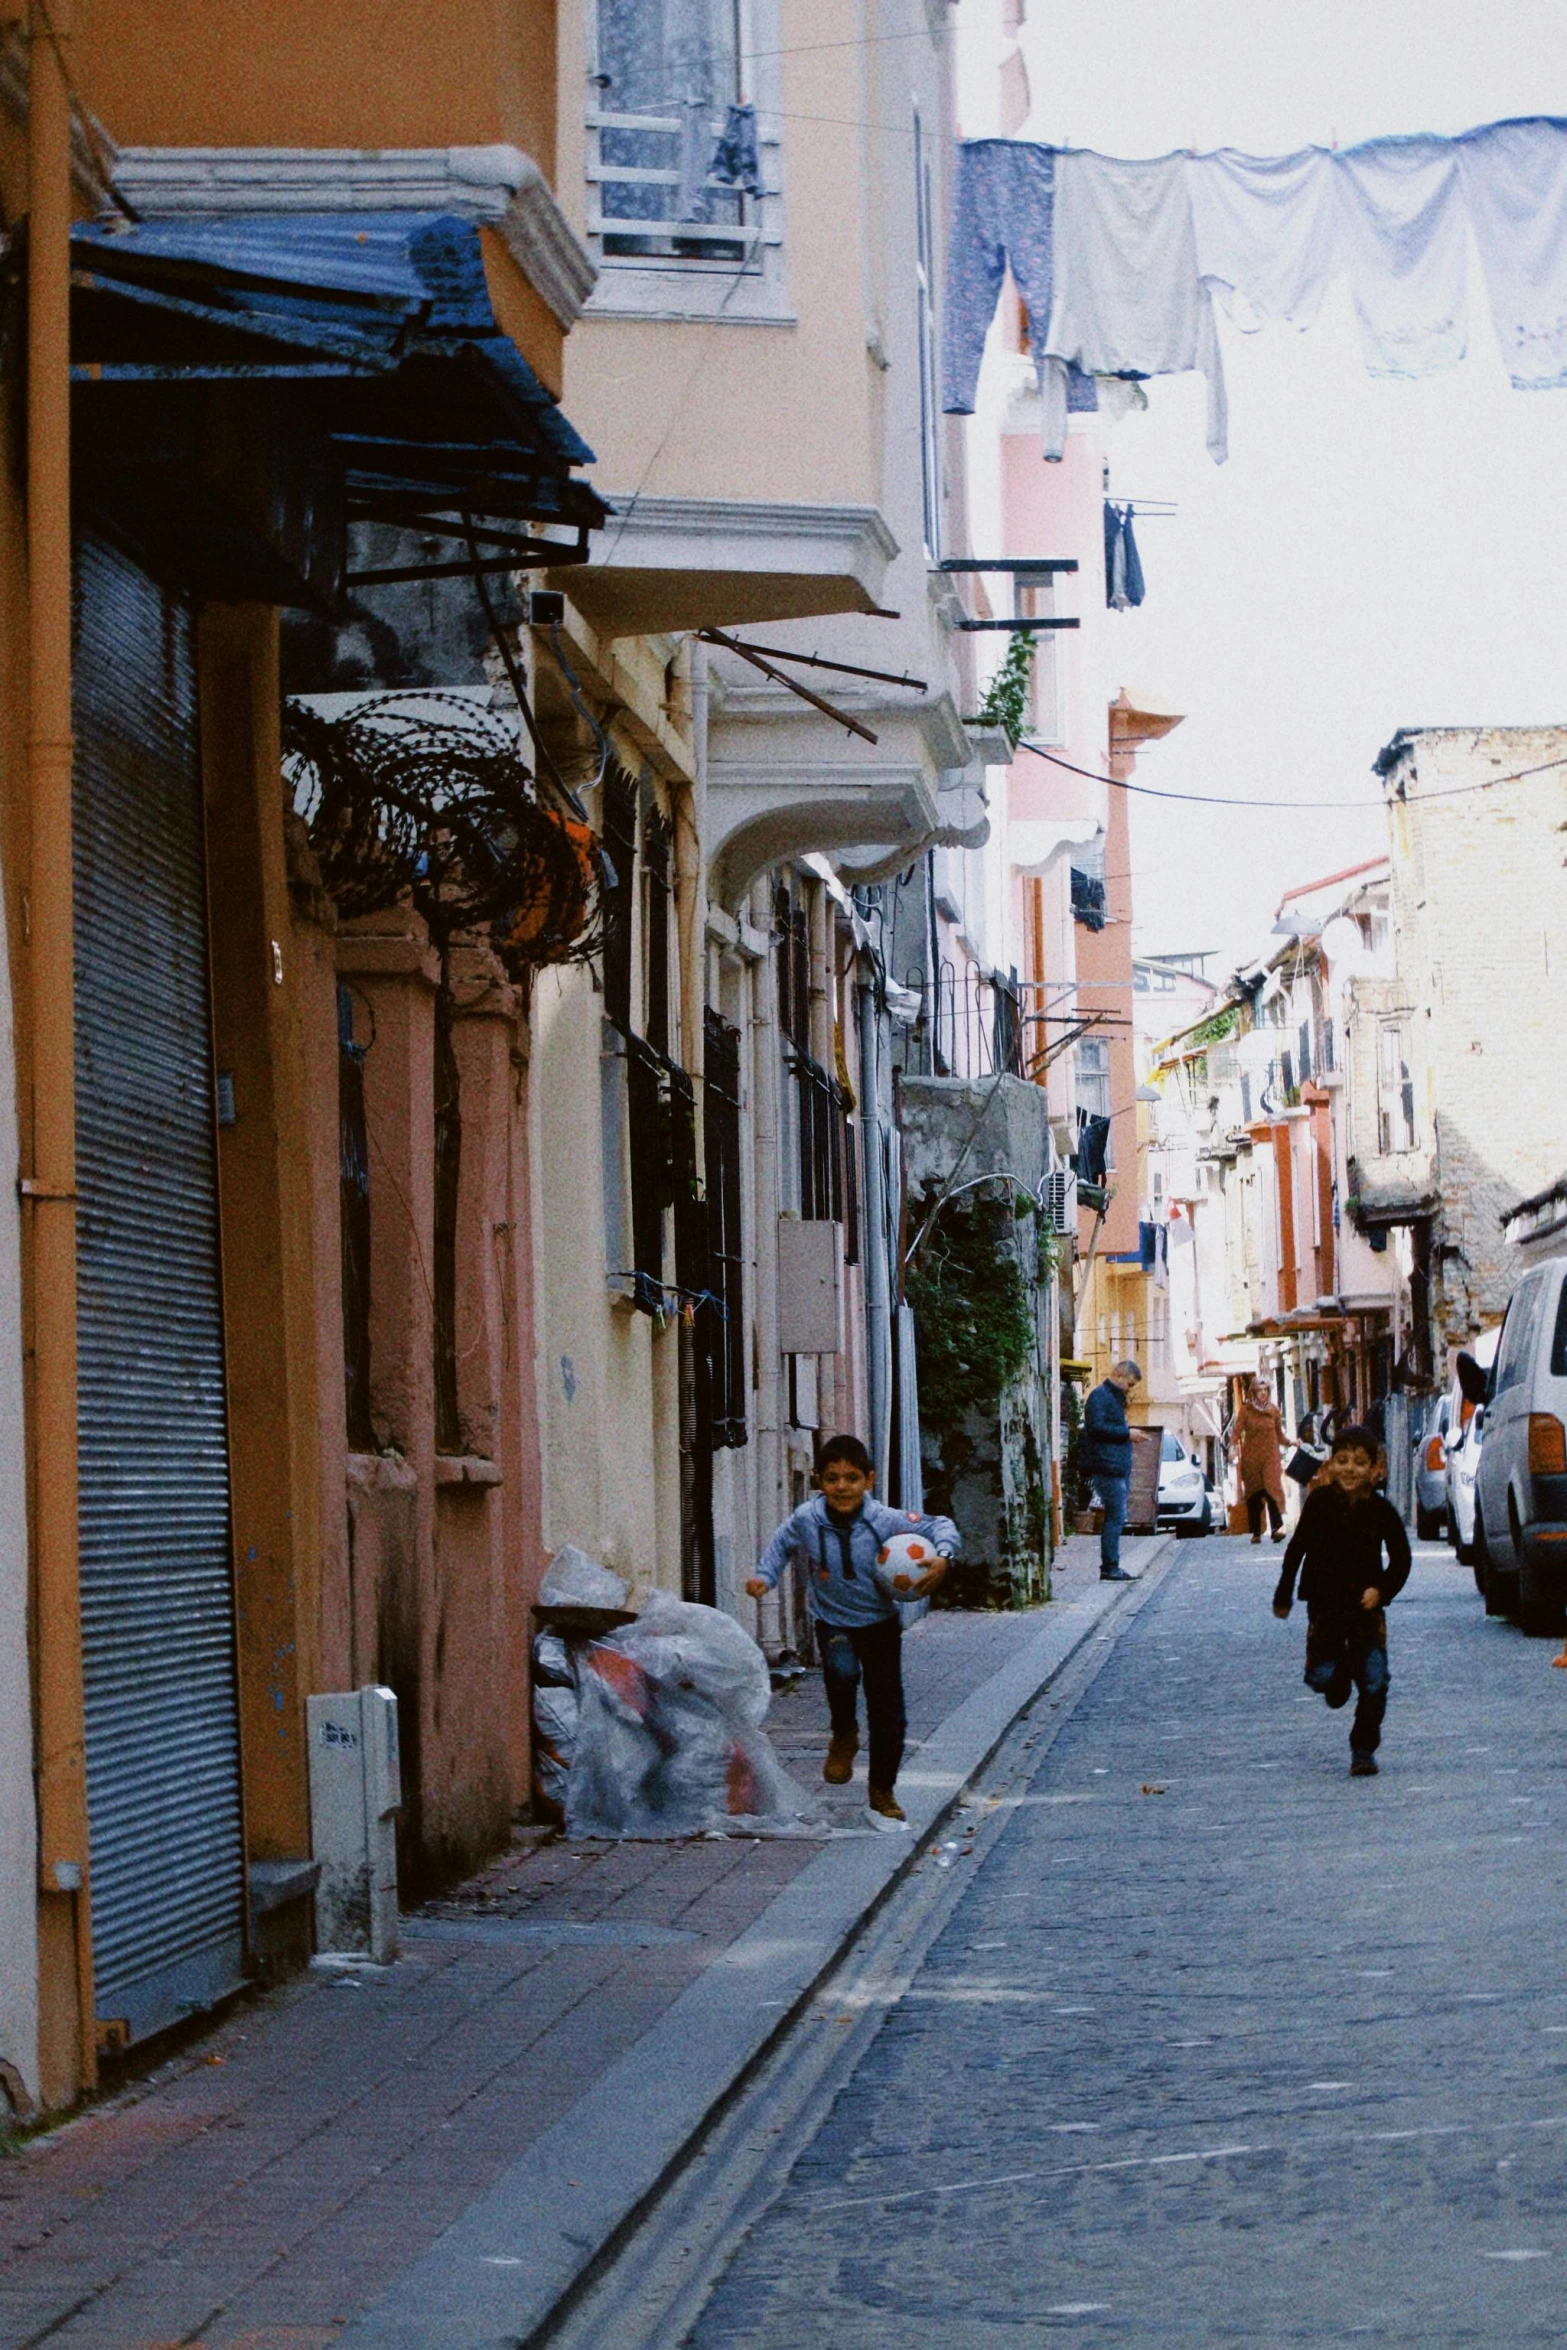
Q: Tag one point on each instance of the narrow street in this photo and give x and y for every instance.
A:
(1217, 2046)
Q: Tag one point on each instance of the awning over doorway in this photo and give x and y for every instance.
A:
(381, 328)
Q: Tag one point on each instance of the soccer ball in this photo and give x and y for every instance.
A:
(902, 1561)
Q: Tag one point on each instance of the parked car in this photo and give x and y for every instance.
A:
(1463, 1462)
(1185, 1502)
(1520, 1536)
(1463, 1454)
(1431, 1470)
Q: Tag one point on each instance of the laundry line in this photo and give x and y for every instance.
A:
(1120, 262)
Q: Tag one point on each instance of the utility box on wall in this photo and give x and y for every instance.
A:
(355, 1795)
(810, 1285)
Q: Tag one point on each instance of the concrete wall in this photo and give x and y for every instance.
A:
(1480, 931)
(808, 374)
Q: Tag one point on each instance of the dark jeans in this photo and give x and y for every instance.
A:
(872, 1653)
(1255, 1505)
(1351, 1654)
(1112, 1491)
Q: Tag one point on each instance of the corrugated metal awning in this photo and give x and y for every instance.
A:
(382, 319)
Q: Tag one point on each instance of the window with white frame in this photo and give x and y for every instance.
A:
(682, 160)
(1038, 599)
(1395, 1089)
(1093, 1077)
(925, 286)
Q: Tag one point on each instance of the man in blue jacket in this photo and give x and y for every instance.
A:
(1104, 1456)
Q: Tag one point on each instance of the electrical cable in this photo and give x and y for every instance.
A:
(573, 686)
(1150, 791)
(514, 676)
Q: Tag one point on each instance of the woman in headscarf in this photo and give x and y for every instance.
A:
(1256, 1446)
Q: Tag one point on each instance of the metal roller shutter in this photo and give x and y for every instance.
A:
(156, 1573)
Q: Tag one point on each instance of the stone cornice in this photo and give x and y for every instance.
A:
(499, 186)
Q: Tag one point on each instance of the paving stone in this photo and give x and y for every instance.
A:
(284, 2171)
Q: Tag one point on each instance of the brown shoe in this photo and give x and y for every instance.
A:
(838, 1769)
(882, 1800)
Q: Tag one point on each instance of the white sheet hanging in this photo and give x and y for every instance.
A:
(1515, 179)
(1403, 212)
(1128, 299)
(1269, 231)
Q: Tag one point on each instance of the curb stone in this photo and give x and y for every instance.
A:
(498, 2274)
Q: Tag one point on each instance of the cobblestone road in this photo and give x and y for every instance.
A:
(1218, 2045)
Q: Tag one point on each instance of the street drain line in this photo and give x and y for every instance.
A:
(650, 2283)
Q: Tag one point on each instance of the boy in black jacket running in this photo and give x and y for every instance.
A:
(1337, 1547)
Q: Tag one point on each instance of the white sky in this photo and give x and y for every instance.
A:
(1373, 555)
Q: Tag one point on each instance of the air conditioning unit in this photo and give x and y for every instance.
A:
(1061, 1200)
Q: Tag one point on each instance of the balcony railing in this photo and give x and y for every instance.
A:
(645, 205)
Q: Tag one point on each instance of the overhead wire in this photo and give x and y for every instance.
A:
(1149, 791)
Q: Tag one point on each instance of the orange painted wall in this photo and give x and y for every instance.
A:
(1104, 965)
(322, 73)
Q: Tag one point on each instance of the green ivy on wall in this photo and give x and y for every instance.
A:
(976, 1327)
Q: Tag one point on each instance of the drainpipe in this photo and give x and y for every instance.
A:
(878, 1311)
(690, 885)
(50, 1189)
(764, 1068)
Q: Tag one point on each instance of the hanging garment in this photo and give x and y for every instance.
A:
(1402, 206)
(1270, 232)
(1002, 205)
(1123, 567)
(1127, 299)
(1093, 1149)
(735, 159)
(1002, 208)
(1515, 180)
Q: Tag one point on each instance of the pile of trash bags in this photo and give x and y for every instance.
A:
(654, 1730)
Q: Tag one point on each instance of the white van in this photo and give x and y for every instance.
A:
(1521, 1484)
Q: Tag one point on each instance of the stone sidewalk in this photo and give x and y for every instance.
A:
(258, 2191)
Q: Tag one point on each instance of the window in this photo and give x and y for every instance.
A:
(1395, 1090)
(925, 294)
(1088, 883)
(1093, 1077)
(657, 882)
(619, 832)
(726, 1311)
(448, 1178)
(353, 1147)
(1039, 601)
(682, 165)
(1516, 1351)
(649, 1104)
(828, 1170)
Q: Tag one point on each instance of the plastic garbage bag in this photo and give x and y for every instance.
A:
(700, 1648)
(552, 1665)
(555, 1715)
(572, 1579)
(668, 1739)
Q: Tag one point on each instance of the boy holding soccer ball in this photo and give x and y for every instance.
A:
(860, 1559)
